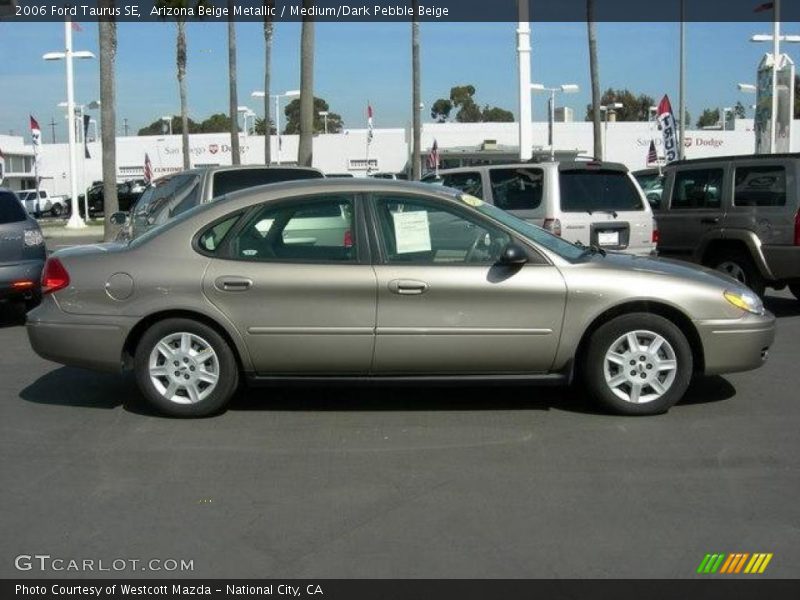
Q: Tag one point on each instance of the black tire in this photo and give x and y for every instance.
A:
(56, 210)
(228, 369)
(794, 287)
(739, 265)
(608, 334)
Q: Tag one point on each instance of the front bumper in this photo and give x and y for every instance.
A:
(730, 346)
(23, 271)
(86, 341)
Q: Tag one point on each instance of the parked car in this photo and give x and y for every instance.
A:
(652, 183)
(22, 252)
(348, 280)
(588, 202)
(739, 214)
(395, 176)
(175, 194)
(128, 192)
(41, 203)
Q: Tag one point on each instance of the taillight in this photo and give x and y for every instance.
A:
(553, 226)
(797, 229)
(348, 239)
(54, 276)
(656, 235)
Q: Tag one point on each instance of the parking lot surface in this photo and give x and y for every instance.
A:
(400, 482)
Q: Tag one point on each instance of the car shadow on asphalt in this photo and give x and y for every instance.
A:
(11, 315)
(782, 307)
(79, 388)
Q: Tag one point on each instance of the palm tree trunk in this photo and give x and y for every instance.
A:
(268, 32)
(236, 157)
(181, 60)
(595, 77)
(305, 150)
(108, 117)
(416, 171)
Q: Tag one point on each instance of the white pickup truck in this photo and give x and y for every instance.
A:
(44, 204)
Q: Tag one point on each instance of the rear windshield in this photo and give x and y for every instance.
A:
(11, 210)
(589, 191)
(226, 182)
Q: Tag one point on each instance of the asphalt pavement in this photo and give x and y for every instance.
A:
(465, 482)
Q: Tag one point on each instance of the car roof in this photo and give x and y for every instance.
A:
(733, 157)
(223, 168)
(565, 165)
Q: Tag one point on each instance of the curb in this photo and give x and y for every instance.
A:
(63, 232)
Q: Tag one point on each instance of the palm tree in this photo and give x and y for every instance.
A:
(269, 27)
(415, 97)
(107, 31)
(180, 59)
(595, 77)
(305, 150)
(234, 100)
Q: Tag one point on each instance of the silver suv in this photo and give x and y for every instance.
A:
(737, 214)
(590, 203)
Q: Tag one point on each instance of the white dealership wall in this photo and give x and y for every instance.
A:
(347, 152)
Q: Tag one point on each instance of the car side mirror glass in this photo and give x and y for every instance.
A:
(513, 254)
(119, 219)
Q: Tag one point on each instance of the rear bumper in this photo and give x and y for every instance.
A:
(783, 261)
(730, 346)
(15, 273)
(90, 342)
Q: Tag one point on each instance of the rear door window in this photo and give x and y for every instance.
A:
(517, 188)
(760, 186)
(167, 199)
(226, 182)
(468, 182)
(11, 210)
(697, 189)
(600, 190)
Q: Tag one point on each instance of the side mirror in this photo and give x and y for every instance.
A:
(513, 254)
(119, 219)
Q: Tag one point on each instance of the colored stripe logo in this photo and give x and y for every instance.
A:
(735, 563)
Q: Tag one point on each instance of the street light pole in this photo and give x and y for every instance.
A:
(682, 86)
(75, 220)
(567, 88)
(524, 73)
(776, 57)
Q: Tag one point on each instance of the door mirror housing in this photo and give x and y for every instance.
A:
(513, 254)
(119, 219)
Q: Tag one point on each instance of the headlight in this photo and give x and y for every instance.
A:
(746, 300)
(33, 237)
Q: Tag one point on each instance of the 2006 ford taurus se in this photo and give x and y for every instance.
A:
(355, 280)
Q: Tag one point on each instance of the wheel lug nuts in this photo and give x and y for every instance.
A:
(177, 374)
(644, 376)
(176, 363)
(633, 373)
(191, 368)
(642, 358)
(187, 377)
(633, 363)
(649, 366)
(186, 360)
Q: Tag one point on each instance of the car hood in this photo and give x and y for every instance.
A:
(667, 268)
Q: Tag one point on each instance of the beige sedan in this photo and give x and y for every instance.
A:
(355, 280)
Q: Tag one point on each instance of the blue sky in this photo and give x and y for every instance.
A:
(357, 62)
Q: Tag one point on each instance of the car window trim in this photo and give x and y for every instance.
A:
(249, 213)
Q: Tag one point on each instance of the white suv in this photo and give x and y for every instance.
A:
(591, 203)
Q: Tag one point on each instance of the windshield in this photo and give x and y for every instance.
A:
(527, 230)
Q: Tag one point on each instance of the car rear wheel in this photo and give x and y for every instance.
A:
(638, 364)
(742, 268)
(56, 210)
(185, 368)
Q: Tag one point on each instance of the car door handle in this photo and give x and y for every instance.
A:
(233, 284)
(407, 287)
(710, 221)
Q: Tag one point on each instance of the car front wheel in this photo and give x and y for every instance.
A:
(742, 268)
(185, 368)
(638, 364)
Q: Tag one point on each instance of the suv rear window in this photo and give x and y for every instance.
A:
(517, 189)
(11, 210)
(588, 191)
(760, 186)
(226, 182)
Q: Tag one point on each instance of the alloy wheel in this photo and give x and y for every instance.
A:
(640, 367)
(184, 368)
